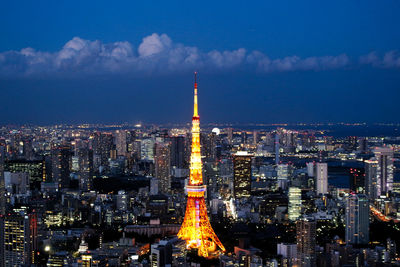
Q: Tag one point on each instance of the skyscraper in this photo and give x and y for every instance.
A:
(103, 144)
(178, 152)
(85, 159)
(33, 237)
(321, 175)
(229, 132)
(196, 228)
(310, 169)
(147, 149)
(255, 137)
(305, 235)
(61, 162)
(162, 162)
(277, 148)
(357, 219)
(16, 244)
(294, 203)
(242, 174)
(370, 178)
(384, 171)
(121, 142)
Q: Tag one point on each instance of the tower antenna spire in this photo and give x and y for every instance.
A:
(195, 111)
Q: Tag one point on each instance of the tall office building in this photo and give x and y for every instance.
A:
(370, 167)
(294, 203)
(229, 132)
(35, 168)
(85, 171)
(321, 176)
(357, 219)
(147, 149)
(384, 171)
(162, 162)
(242, 174)
(16, 241)
(283, 172)
(121, 142)
(277, 148)
(255, 137)
(305, 236)
(103, 145)
(61, 165)
(178, 152)
(310, 169)
(209, 144)
(27, 149)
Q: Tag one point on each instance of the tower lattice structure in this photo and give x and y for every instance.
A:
(196, 228)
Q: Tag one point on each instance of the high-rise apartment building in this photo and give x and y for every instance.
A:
(305, 236)
(370, 167)
(321, 177)
(384, 171)
(357, 219)
(162, 162)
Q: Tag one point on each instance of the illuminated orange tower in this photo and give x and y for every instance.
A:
(196, 228)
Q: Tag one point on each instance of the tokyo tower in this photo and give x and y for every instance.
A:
(196, 228)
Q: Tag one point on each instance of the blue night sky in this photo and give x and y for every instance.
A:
(268, 61)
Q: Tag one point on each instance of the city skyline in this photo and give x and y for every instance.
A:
(280, 62)
(296, 162)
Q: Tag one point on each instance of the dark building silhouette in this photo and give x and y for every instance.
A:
(178, 152)
(61, 165)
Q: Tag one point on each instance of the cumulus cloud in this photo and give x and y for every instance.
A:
(390, 59)
(158, 53)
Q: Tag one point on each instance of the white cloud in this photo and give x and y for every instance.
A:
(154, 44)
(390, 59)
(158, 53)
